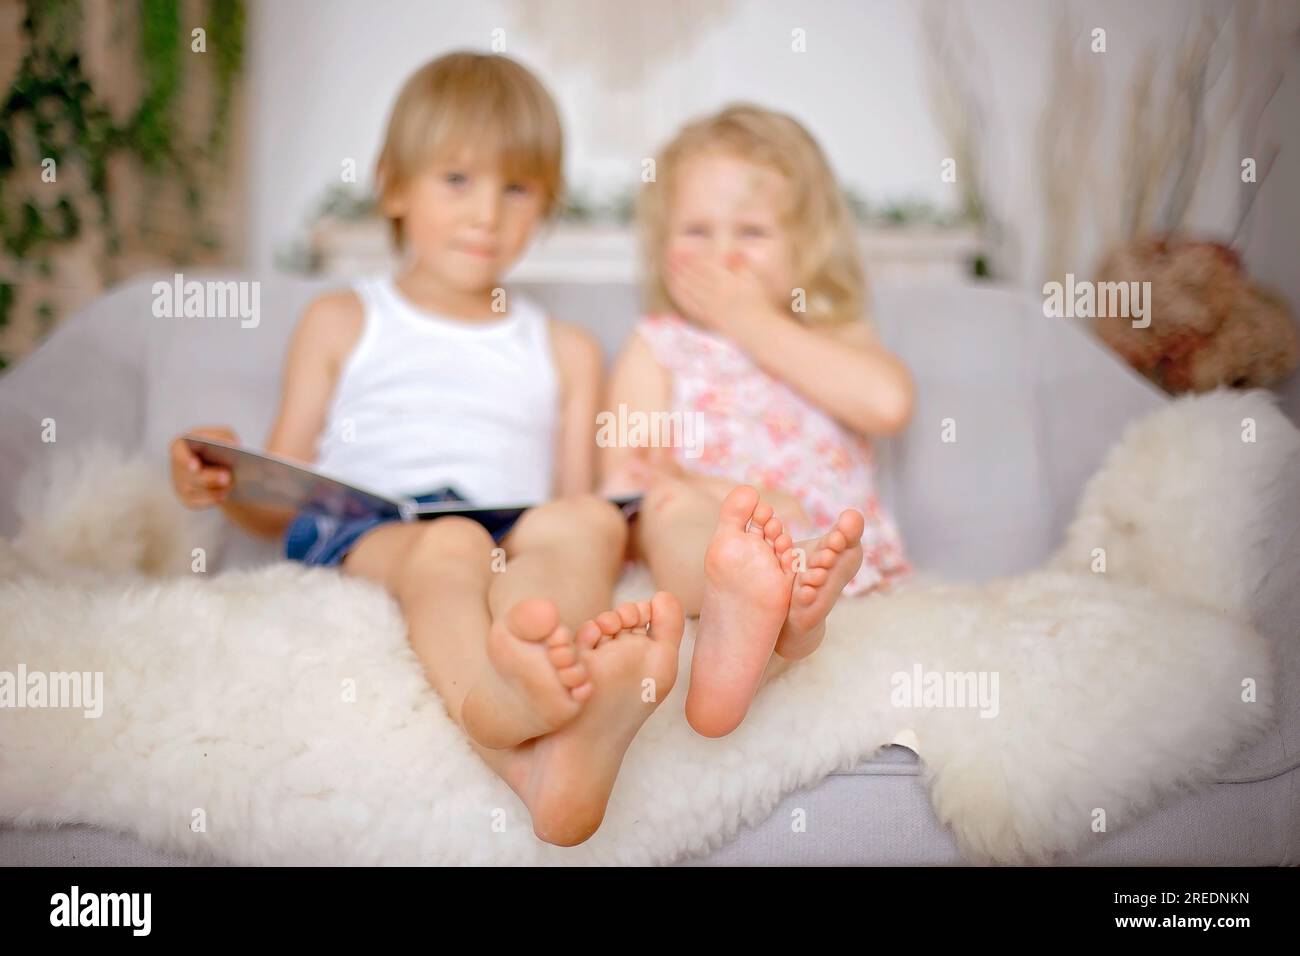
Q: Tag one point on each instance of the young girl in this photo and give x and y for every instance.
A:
(758, 331)
(425, 385)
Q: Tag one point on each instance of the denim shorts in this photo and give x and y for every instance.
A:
(321, 539)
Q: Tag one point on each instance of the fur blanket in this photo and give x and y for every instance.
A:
(278, 715)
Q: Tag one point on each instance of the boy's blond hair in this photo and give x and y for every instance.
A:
(826, 263)
(473, 100)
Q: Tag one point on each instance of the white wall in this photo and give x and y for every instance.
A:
(1272, 246)
(323, 74)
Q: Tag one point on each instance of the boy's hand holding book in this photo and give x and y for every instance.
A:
(199, 484)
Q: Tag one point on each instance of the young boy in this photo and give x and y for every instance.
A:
(437, 382)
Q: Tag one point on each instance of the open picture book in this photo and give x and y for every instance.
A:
(263, 479)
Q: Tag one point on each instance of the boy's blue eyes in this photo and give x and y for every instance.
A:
(460, 179)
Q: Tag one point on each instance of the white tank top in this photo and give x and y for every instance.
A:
(426, 401)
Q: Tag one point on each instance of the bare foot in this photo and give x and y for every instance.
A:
(565, 778)
(748, 577)
(832, 562)
(536, 684)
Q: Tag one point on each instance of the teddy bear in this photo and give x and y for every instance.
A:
(1210, 325)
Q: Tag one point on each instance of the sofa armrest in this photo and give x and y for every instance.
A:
(85, 381)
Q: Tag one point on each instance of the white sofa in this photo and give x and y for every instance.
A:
(1039, 402)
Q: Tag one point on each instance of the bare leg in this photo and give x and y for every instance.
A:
(562, 561)
(671, 534)
(440, 572)
(570, 551)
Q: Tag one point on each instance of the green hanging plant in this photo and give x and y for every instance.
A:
(226, 45)
(52, 112)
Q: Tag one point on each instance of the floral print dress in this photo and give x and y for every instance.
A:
(752, 428)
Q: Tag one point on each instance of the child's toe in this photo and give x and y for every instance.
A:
(572, 677)
(562, 637)
(824, 558)
(814, 577)
(563, 656)
(851, 524)
(628, 615)
(589, 635)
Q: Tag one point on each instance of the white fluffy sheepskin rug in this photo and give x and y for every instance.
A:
(227, 693)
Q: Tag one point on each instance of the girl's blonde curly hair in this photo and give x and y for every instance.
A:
(827, 266)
